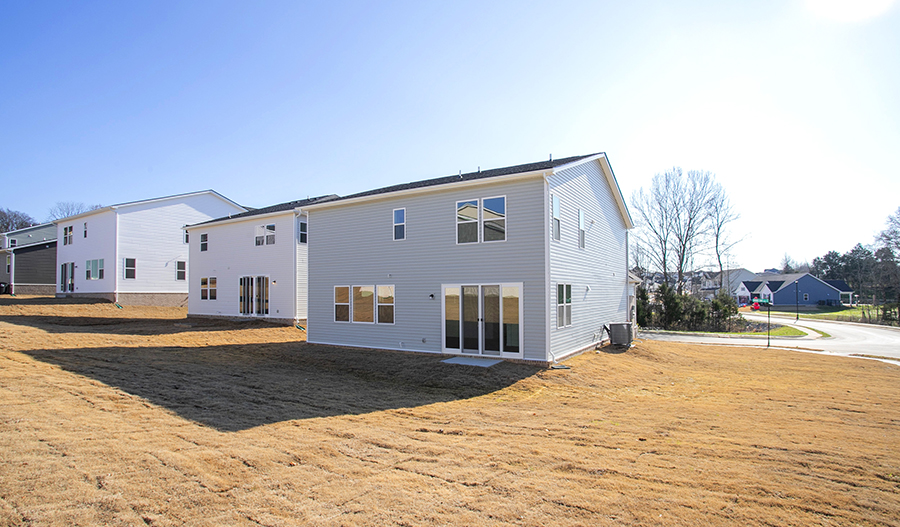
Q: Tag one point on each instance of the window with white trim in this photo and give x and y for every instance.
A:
(563, 305)
(130, 268)
(581, 228)
(93, 269)
(481, 220)
(204, 242)
(187, 237)
(208, 288)
(364, 304)
(85, 229)
(399, 224)
(554, 211)
(265, 234)
(67, 235)
(342, 303)
(180, 270)
(13, 242)
(385, 304)
(806, 297)
(303, 231)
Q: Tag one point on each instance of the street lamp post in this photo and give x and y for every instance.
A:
(768, 320)
(797, 294)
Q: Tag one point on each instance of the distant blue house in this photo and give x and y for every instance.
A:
(791, 289)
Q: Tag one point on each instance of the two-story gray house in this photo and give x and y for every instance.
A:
(29, 260)
(525, 262)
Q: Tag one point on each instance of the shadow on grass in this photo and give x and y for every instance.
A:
(237, 387)
(9, 300)
(130, 326)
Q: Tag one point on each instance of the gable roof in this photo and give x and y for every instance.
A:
(281, 207)
(145, 201)
(777, 282)
(840, 285)
(528, 169)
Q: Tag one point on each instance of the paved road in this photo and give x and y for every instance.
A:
(846, 339)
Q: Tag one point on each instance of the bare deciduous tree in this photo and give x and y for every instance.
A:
(721, 215)
(64, 209)
(654, 209)
(11, 220)
(690, 219)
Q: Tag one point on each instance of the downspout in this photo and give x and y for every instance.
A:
(12, 271)
(116, 251)
(296, 228)
(547, 284)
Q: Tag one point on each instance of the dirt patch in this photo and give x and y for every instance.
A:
(139, 416)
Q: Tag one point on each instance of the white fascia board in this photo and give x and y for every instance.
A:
(227, 221)
(430, 188)
(33, 244)
(144, 202)
(610, 179)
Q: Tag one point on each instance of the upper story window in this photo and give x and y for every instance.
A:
(581, 228)
(130, 268)
(481, 220)
(180, 270)
(187, 237)
(303, 231)
(554, 211)
(265, 234)
(85, 229)
(67, 235)
(204, 242)
(399, 224)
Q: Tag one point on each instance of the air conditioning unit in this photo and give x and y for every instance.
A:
(620, 334)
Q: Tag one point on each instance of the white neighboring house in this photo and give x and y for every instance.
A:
(252, 264)
(526, 262)
(133, 253)
(730, 280)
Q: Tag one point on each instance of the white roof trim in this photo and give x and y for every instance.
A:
(229, 220)
(145, 201)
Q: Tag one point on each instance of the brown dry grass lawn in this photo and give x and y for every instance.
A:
(130, 417)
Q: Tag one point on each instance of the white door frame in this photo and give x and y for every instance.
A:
(481, 351)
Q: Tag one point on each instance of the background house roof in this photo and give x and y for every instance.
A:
(290, 205)
(840, 285)
(142, 201)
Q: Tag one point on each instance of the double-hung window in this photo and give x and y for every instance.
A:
(85, 229)
(481, 220)
(130, 268)
(180, 270)
(581, 228)
(208, 288)
(265, 234)
(94, 269)
(204, 242)
(563, 305)
(12, 242)
(399, 224)
(67, 235)
(303, 231)
(385, 304)
(554, 210)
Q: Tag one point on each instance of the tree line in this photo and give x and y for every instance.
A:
(13, 220)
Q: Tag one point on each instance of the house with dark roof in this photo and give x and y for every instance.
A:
(527, 262)
(29, 260)
(789, 289)
(251, 264)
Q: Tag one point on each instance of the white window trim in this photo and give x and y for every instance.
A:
(303, 230)
(204, 242)
(481, 219)
(394, 220)
(555, 217)
(567, 306)
(477, 221)
(125, 269)
(349, 305)
(582, 230)
(209, 288)
(177, 270)
(374, 304)
(393, 304)
(458, 286)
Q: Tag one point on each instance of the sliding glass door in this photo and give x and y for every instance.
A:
(483, 319)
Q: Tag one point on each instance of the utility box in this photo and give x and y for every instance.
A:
(620, 334)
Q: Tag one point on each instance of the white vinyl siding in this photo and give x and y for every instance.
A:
(420, 265)
(598, 272)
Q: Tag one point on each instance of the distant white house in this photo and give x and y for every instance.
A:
(729, 280)
(136, 252)
(252, 264)
(526, 262)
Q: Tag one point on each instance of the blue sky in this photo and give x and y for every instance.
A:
(793, 105)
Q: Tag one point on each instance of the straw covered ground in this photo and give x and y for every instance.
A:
(140, 416)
